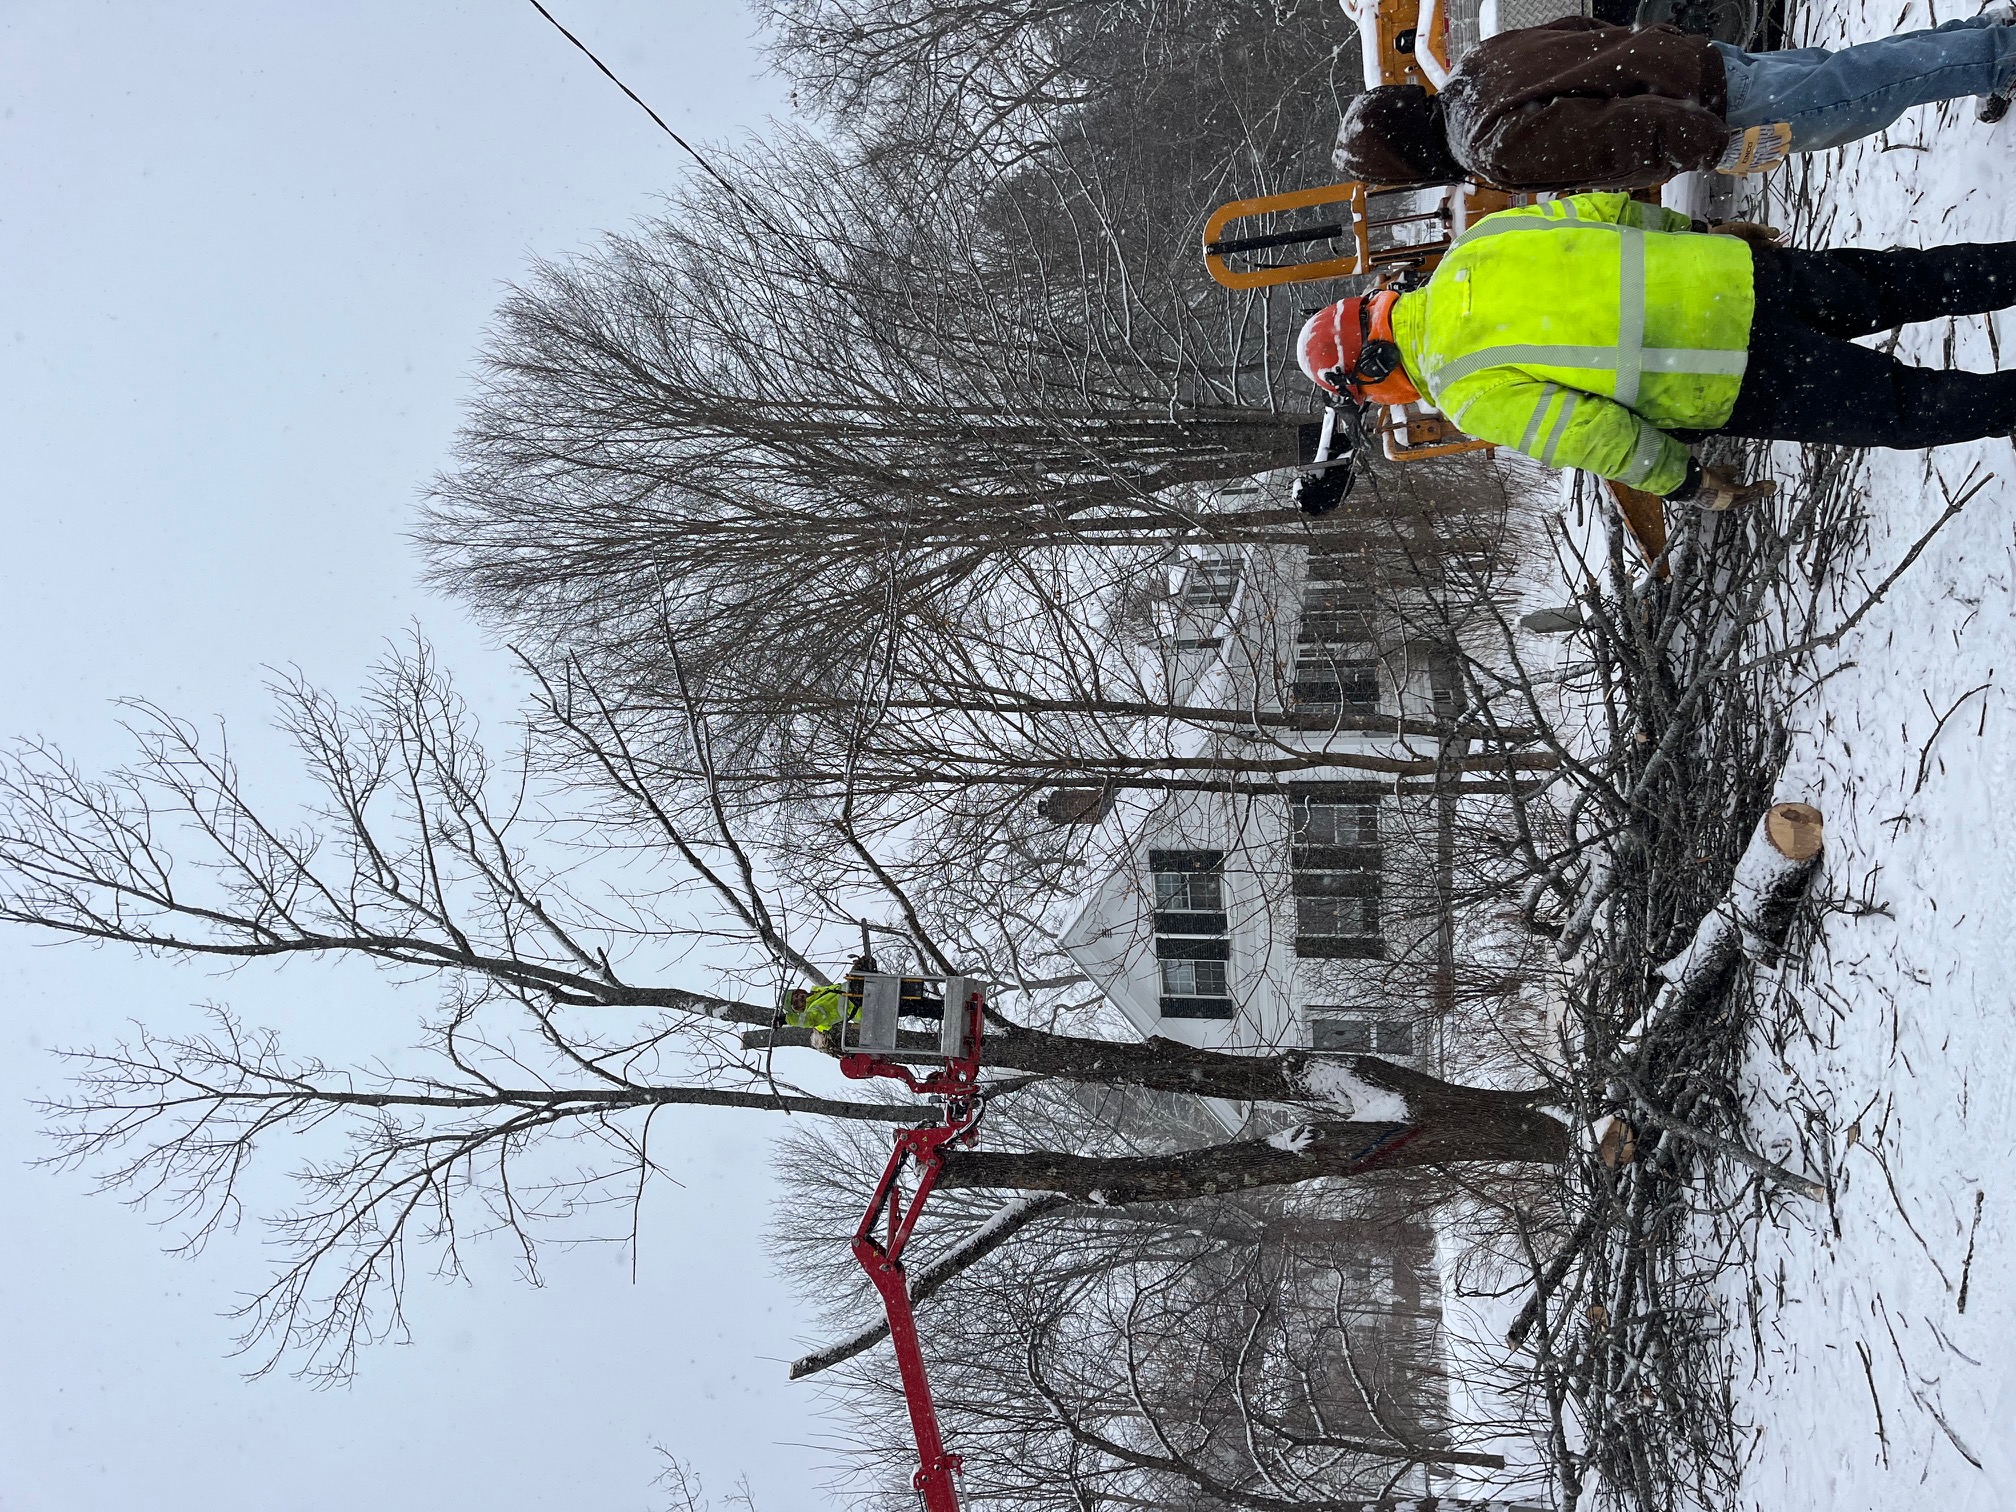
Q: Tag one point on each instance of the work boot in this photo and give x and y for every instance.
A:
(1995, 106)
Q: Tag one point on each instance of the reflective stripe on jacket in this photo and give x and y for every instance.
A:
(1577, 330)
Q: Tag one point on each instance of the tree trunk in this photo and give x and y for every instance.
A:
(1166, 1065)
(1478, 1134)
(1008, 703)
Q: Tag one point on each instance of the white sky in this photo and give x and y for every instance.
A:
(246, 256)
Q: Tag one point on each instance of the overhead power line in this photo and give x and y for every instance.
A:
(687, 147)
(793, 243)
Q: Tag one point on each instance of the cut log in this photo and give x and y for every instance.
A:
(1753, 917)
(1795, 831)
(1763, 896)
(1614, 1141)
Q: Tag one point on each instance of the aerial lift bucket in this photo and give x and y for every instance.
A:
(886, 999)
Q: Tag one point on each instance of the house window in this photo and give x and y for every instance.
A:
(1319, 823)
(1335, 614)
(1189, 892)
(1194, 979)
(1336, 668)
(1336, 680)
(1339, 918)
(1336, 906)
(1192, 944)
(1211, 583)
(1330, 569)
(1357, 1033)
(1336, 875)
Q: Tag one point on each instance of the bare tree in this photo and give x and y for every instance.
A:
(544, 927)
(949, 81)
(740, 423)
(684, 1492)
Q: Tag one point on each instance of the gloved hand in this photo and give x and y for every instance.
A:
(1750, 231)
(1319, 493)
(1719, 490)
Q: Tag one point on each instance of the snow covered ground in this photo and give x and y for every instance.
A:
(1887, 1370)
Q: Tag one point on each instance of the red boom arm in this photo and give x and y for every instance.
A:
(882, 1257)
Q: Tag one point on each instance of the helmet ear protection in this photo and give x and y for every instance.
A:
(1377, 361)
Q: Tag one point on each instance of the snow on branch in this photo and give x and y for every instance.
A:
(1335, 1083)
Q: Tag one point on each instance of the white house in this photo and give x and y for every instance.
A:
(1302, 910)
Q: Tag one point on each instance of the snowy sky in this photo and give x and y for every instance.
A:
(246, 255)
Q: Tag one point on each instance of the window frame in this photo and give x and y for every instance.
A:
(1192, 937)
(1303, 830)
(1391, 1036)
(1213, 582)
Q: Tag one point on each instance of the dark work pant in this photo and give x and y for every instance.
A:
(1808, 381)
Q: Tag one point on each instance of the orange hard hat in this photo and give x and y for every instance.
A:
(1347, 348)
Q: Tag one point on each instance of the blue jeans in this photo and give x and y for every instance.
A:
(1835, 97)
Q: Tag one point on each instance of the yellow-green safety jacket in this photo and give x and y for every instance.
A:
(1580, 330)
(823, 1008)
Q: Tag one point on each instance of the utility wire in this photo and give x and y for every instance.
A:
(792, 241)
(686, 146)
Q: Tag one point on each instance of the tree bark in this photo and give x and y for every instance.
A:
(1286, 719)
(1476, 1135)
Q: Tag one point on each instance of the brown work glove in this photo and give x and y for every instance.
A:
(1719, 490)
(1750, 231)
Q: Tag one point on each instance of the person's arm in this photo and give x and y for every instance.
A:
(1621, 209)
(1631, 141)
(1564, 427)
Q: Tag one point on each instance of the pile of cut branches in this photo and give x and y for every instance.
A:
(1682, 735)
(1670, 719)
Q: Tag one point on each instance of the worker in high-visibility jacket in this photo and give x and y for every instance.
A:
(821, 1007)
(1601, 333)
